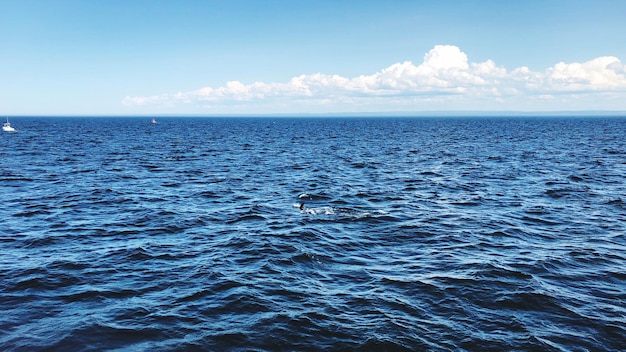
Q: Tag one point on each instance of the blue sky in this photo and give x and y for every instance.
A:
(220, 57)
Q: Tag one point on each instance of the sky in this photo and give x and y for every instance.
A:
(210, 57)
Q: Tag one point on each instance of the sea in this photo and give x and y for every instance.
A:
(313, 234)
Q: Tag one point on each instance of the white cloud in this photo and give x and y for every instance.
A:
(603, 73)
(444, 80)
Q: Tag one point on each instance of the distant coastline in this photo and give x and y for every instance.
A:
(581, 113)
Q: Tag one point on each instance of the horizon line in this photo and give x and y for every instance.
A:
(433, 113)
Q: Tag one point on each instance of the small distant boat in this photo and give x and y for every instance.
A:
(153, 121)
(6, 127)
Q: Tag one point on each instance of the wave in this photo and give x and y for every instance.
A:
(313, 234)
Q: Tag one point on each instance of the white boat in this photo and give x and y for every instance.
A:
(153, 121)
(6, 127)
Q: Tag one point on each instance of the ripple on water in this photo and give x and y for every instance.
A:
(313, 234)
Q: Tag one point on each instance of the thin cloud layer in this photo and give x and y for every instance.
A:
(444, 77)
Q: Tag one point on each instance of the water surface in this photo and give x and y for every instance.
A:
(270, 234)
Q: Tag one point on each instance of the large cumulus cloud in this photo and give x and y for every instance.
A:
(444, 77)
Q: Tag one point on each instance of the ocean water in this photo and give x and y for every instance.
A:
(310, 234)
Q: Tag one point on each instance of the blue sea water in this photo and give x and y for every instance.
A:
(298, 234)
